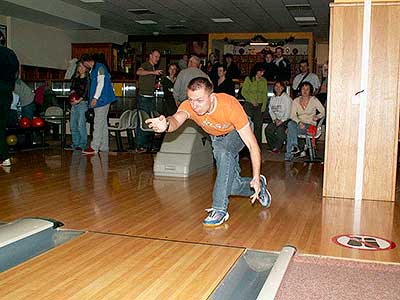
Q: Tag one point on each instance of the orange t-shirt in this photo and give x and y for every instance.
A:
(228, 115)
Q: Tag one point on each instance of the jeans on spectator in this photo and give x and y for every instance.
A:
(143, 138)
(100, 132)
(78, 125)
(256, 115)
(228, 182)
(275, 135)
(293, 132)
(6, 99)
(28, 111)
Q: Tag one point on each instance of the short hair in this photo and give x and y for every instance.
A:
(86, 57)
(154, 50)
(282, 83)
(304, 61)
(304, 83)
(195, 59)
(198, 83)
(279, 48)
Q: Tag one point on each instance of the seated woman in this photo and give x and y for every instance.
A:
(169, 104)
(279, 110)
(224, 85)
(306, 111)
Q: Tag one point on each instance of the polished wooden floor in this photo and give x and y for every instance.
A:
(145, 239)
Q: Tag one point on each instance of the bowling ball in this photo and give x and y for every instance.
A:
(73, 97)
(37, 122)
(24, 122)
(11, 140)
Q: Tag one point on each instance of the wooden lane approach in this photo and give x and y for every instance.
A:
(103, 266)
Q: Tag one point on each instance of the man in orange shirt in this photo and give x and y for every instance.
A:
(221, 116)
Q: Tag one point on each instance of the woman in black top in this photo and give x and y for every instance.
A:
(169, 105)
(224, 85)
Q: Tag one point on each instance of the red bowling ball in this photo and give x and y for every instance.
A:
(73, 97)
(37, 122)
(24, 123)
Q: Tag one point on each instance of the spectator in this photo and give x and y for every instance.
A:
(254, 91)
(169, 105)
(305, 75)
(232, 70)
(101, 95)
(306, 111)
(279, 110)
(282, 66)
(183, 62)
(9, 66)
(224, 84)
(269, 66)
(146, 100)
(184, 77)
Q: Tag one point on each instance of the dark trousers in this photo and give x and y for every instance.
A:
(143, 138)
(275, 135)
(256, 115)
(6, 99)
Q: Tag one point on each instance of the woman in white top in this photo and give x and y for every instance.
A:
(279, 110)
(306, 111)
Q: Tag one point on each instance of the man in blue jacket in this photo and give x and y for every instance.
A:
(101, 94)
(9, 66)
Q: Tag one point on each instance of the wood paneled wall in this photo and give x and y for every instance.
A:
(382, 104)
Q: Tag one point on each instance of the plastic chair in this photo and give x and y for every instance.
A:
(309, 145)
(130, 132)
(143, 116)
(55, 115)
(123, 125)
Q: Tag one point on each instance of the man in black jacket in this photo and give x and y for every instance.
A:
(9, 66)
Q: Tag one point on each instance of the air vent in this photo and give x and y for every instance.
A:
(140, 11)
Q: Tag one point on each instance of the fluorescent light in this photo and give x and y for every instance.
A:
(222, 20)
(259, 44)
(146, 22)
(92, 1)
(305, 19)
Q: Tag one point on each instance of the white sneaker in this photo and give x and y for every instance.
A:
(6, 163)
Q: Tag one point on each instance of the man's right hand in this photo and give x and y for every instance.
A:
(157, 124)
(158, 72)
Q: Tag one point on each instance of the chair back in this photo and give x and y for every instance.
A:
(143, 116)
(134, 120)
(124, 120)
(319, 127)
(53, 114)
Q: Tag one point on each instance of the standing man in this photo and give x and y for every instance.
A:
(184, 78)
(283, 71)
(9, 66)
(146, 101)
(221, 116)
(304, 76)
(101, 94)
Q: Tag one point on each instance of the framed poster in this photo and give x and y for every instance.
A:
(3, 34)
(199, 48)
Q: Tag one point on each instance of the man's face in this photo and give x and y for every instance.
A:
(200, 100)
(303, 67)
(278, 53)
(154, 57)
(268, 58)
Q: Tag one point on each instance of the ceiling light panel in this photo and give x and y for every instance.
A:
(222, 20)
(146, 22)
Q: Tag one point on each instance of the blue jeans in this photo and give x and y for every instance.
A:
(143, 139)
(228, 182)
(78, 125)
(293, 132)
